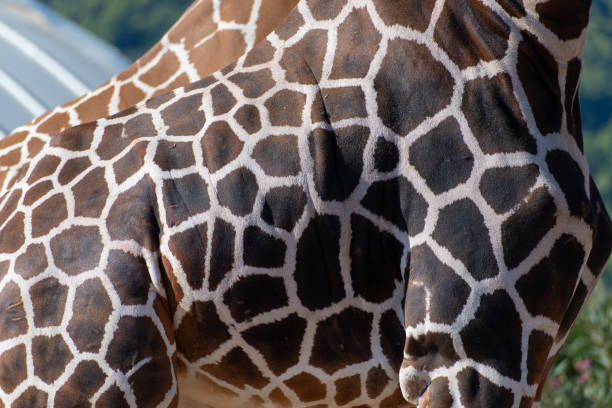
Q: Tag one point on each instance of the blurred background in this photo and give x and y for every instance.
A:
(582, 375)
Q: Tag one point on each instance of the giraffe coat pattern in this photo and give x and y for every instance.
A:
(383, 203)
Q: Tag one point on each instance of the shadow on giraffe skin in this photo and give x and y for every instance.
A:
(367, 208)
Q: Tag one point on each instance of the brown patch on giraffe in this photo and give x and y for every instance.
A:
(36, 192)
(317, 270)
(86, 328)
(48, 302)
(285, 108)
(278, 156)
(45, 167)
(574, 307)
(341, 340)
(72, 168)
(254, 83)
(540, 344)
(404, 104)
(33, 262)
(477, 391)
(505, 187)
(112, 398)
(181, 81)
(515, 8)
(158, 101)
(303, 62)
(411, 212)
(347, 389)
(237, 191)
(185, 197)
(392, 338)
(278, 397)
(568, 174)
(48, 215)
(77, 249)
(414, 13)
(548, 287)
(183, 117)
(255, 294)
(164, 313)
(325, 10)
(189, 247)
(118, 137)
(283, 206)
(495, 116)
(538, 73)
(92, 192)
(162, 71)
(87, 378)
(248, 117)
(94, 107)
(130, 95)
(194, 26)
(262, 249)
(137, 341)
(376, 381)
(130, 277)
(239, 14)
(343, 103)
(261, 54)
(471, 32)
(4, 268)
(12, 236)
(174, 155)
(523, 230)
(50, 356)
(13, 139)
(307, 387)
(224, 45)
(290, 26)
(34, 147)
(220, 146)
(462, 222)
(338, 160)
(373, 249)
(131, 216)
(130, 163)
(10, 205)
(75, 139)
(236, 368)
(13, 368)
(222, 252)
(32, 397)
(565, 18)
(439, 279)
(358, 42)
(55, 123)
(10, 158)
(201, 331)
(278, 342)
(222, 99)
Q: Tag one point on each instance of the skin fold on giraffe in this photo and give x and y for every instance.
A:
(383, 204)
(210, 35)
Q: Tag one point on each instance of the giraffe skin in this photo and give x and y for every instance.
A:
(209, 35)
(383, 204)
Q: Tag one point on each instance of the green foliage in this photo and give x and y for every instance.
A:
(131, 25)
(581, 376)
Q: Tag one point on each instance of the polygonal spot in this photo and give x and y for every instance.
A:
(441, 157)
(48, 215)
(237, 191)
(317, 270)
(222, 99)
(285, 108)
(405, 102)
(48, 301)
(183, 117)
(347, 389)
(495, 117)
(255, 294)
(341, 340)
(493, 336)
(77, 249)
(471, 32)
(386, 155)
(307, 387)
(237, 369)
(505, 187)
(201, 331)
(248, 117)
(477, 391)
(174, 155)
(50, 356)
(33, 262)
(279, 342)
(13, 320)
(222, 252)
(278, 155)
(283, 206)
(220, 146)
(130, 277)
(13, 368)
(189, 248)
(414, 13)
(87, 378)
(92, 310)
(92, 193)
(462, 222)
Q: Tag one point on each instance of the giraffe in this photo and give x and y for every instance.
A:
(383, 204)
(209, 35)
